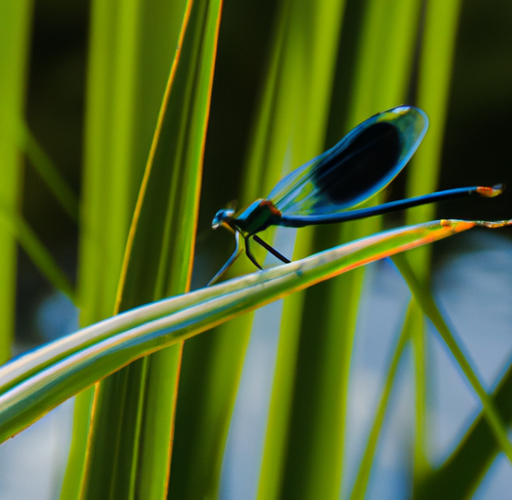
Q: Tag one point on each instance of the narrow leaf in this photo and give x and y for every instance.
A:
(81, 364)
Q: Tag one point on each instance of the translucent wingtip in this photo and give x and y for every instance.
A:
(490, 192)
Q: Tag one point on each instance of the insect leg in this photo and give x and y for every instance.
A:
(249, 253)
(230, 261)
(270, 249)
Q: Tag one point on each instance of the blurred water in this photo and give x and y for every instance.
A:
(497, 482)
(57, 316)
(32, 463)
(474, 291)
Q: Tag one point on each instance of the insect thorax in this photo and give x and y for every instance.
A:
(257, 216)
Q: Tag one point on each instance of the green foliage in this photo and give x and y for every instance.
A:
(156, 423)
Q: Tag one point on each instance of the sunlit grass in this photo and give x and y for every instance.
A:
(329, 65)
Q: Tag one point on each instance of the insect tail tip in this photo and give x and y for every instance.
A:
(491, 192)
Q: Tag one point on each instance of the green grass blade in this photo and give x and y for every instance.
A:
(111, 175)
(315, 433)
(132, 45)
(421, 464)
(158, 263)
(71, 364)
(435, 68)
(72, 482)
(15, 20)
(310, 40)
(438, 46)
(384, 57)
(298, 25)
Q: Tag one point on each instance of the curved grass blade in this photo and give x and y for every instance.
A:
(64, 368)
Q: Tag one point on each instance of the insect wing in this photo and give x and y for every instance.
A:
(366, 160)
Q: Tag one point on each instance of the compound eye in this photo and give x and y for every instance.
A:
(222, 216)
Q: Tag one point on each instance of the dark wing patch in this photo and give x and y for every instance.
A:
(355, 169)
(366, 161)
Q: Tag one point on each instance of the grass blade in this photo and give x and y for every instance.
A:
(132, 45)
(14, 45)
(435, 68)
(158, 263)
(323, 337)
(69, 365)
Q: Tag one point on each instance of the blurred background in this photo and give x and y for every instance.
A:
(477, 150)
